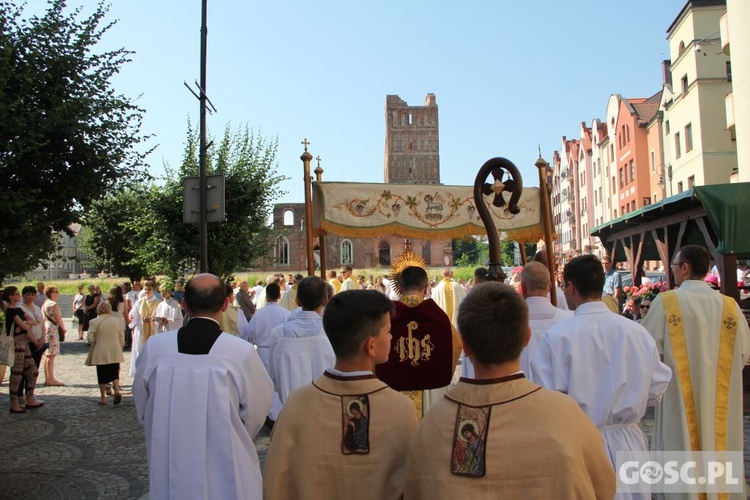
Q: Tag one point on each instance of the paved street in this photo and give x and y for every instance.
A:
(73, 448)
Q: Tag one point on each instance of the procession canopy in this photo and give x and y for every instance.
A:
(429, 211)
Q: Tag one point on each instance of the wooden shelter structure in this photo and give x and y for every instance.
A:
(716, 217)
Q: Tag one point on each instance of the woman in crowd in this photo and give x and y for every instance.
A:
(107, 338)
(35, 318)
(116, 301)
(644, 306)
(78, 311)
(23, 364)
(54, 329)
(89, 307)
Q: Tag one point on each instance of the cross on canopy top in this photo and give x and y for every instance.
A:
(305, 143)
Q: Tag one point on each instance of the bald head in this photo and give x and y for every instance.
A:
(447, 273)
(541, 256)
(535, 279)
(205, 295)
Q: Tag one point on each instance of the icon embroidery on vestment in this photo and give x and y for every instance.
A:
(355, 427)
(470, 440)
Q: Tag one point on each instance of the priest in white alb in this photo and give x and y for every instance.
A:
(609, 364)
(202, 395)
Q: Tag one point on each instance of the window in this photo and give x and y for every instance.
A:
(691, 181)
(646, 201)
(729, 71)
(622, 177)
(281, 251)
(688, 137)
(679, 187)
(384, 253)
(666, 127)
(680, 48)
(288, 218)
(677, 152)
(632, 170)
(684, 83)
(653, 161)
(411, 119)
(347, 252)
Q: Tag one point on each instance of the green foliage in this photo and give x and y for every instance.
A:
(507, 250)
(470, 251)
(66, 137)
(153, 240)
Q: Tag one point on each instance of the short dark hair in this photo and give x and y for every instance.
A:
(228, 290)
(28, 289)
(480, 275)
(413, 277)
(493, 320)
(346, 268)
(208, 298)
(698, 258)
(352, 316)
(312, 293)
(587, 274)
(273, 291)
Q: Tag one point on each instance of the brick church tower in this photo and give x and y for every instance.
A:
(412, 156)
(412, 150)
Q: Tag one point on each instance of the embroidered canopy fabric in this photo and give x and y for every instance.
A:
(429, 211)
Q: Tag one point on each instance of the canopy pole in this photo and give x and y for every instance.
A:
(542, 165)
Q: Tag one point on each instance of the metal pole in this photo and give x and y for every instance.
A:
(542, 165)
(202, 153)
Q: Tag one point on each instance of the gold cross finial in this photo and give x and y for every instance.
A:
(540, 150)
(305, 143)
(317, 158)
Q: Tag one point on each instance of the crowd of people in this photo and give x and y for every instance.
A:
(357, 376)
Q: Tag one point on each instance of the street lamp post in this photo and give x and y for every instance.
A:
(660, 170)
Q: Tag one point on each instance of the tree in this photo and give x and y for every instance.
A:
(149, 237)
(248, 163)
(470, 251)
(66, 136)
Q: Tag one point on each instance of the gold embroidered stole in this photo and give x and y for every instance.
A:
(417, 397)
(147, 310)
(676, 328)
(449, 297)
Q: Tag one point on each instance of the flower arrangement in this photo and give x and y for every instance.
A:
(647, 291)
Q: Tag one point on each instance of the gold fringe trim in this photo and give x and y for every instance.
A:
(522, 235)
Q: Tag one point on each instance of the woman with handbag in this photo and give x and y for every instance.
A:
(55, 331)
(23, 364)
(107, 338)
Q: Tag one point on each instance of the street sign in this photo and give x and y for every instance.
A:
(214, 199)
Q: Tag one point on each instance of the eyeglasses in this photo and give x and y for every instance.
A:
(645, 307)
(677, 263)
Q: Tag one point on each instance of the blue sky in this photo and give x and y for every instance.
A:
(508, 76)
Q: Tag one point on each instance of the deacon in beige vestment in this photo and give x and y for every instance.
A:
(500, 435)
(347, 433)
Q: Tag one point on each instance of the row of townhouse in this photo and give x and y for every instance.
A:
(694, 131)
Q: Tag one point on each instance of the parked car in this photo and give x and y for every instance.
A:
(655, 276)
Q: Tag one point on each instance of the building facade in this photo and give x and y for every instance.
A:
(651, 148)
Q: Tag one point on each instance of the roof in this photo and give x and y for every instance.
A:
(646, 109)
(723, 204)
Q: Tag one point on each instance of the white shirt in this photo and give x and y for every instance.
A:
(542, 316)
(37, 330)
(258, 331)
(299, 353)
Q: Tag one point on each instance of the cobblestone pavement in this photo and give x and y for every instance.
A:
(72, 448)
